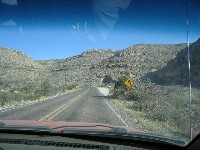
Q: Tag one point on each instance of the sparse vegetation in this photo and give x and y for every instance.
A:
(30, 92)
(166, 106)
(3, 98)
(71, 87)
(157, 99)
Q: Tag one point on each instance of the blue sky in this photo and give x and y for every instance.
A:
(46, 34)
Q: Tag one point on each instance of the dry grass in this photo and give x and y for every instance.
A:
(163, 110)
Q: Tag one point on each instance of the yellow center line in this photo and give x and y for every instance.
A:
(53, 112)
(61, 110)
(45, 117)
(51, 115)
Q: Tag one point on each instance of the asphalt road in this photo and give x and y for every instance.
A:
(84, 105)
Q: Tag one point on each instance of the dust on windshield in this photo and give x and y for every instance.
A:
(132, 63)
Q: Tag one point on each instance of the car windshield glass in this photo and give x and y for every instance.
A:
(129, 63)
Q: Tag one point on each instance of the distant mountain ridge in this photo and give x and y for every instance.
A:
(90, 67)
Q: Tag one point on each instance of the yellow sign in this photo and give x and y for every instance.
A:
(129, 89)
(129, 82)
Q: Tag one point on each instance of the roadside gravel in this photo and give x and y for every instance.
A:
(130, 120)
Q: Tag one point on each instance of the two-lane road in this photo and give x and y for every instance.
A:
(84, 105)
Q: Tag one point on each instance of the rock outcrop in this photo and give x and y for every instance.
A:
(92, 66)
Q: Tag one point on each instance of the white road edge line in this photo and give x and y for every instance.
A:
(114, 111)
(116, 114)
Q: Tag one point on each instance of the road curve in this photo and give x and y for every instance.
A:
(84, 105)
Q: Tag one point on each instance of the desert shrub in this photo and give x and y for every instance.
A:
(120, 82)
(135, 94)
(27, 89)
(71, 87)
(119, 87)
(34, 96)
(45, 89)
(3, 98)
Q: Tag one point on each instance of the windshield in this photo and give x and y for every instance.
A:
(129, 63)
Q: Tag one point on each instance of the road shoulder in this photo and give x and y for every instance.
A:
(117, 106)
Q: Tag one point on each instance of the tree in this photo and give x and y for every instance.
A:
(120, 82)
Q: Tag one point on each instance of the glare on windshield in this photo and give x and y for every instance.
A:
(131, 63)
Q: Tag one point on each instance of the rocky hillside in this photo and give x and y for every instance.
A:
(138, 60)
(92, 66)
(176, 70)
(77, 69)
(18, 68)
